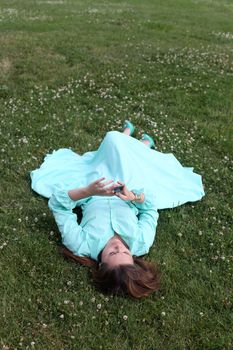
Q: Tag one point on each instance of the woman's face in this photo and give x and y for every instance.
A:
(116, 253)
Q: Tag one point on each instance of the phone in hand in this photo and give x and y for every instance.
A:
(118, 189)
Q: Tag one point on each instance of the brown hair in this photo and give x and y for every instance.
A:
(138, 280)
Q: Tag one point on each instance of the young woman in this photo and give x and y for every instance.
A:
(120, 188)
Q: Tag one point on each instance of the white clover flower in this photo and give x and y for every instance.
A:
(98, 306)
(163, 313)
(24, 140)
(125, 317)
(61, 316)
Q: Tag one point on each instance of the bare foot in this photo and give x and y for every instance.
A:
(146, 142)
(126, 131)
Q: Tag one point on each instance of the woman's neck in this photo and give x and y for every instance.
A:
(121, 239)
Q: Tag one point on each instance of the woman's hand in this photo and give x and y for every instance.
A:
(126, 195)
(99, 188)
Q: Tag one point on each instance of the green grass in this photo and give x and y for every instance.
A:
(69, 72)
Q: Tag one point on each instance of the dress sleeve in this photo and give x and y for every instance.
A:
(147, 223)
(71, 232)
(149, 201)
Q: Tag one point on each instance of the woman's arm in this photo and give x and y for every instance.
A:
(62, 203)
(96, 188)
(147, 223)
(71, 232)
(147, 218)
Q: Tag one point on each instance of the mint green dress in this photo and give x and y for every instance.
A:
(165, 182)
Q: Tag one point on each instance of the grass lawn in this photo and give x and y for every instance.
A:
(71, 70)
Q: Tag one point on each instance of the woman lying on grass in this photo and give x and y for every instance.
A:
(119, 215)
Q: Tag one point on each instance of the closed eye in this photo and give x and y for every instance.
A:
(113, 253)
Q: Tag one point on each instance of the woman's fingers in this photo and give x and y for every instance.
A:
(109, 189)
(124, 190)
(99, 180)
(99, 183)
(120, 195)
(106, 183)
(102, 187)
(103, 184)
(121, 183)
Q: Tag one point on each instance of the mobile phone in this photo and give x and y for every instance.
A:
(118, 189)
